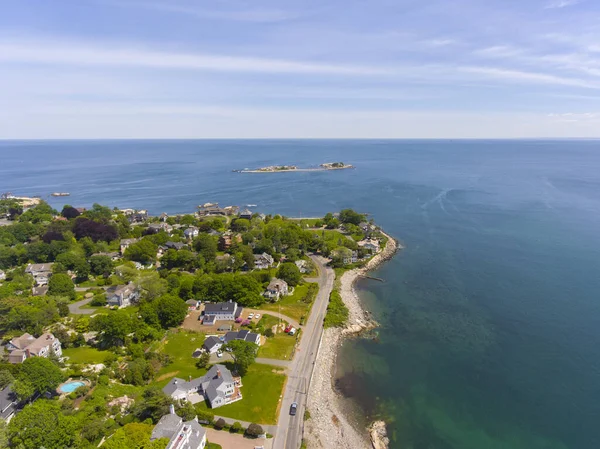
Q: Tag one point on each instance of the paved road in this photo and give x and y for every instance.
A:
(275, 362)
(75, 308)
(266, 428)
(290, 428)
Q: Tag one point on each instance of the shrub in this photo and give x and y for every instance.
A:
(220, 423)
(254, 430)
(205, 415)
(269, 333)
(235, 427)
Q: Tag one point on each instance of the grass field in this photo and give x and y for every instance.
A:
(180, 346)
(297, 305)
(85, 354)
(213, 446)
(279, 346)
(262, 388)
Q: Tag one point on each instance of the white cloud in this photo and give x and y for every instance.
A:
(530, 77)
(559, 4)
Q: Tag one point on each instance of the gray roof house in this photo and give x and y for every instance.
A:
(222, 310)
(41, 272)
(246, 213)
(218, 386)
(276, 289)
(8, 403)
(122, 295)
(181, 434)
(263, 261)
(244, 335)
(25, 346)
(126, 242)
(175, 245)
(212, 344)
(191, 232)
(157, 227)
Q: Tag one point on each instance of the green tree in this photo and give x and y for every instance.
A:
(112, 328)
(41, 373)
(6, 378)
(101, 265)
(243, 354)
(143, 251)
(186, 410)
(290, 273)
(3, 434)
(134, 436)
(254, 430)
(60, 284)
(153, 286)
(350, 216)
(171, 311)
(206, 246)
(23, 389)
(236, 427)
(42, 424)
(203, 361)
(154, 404)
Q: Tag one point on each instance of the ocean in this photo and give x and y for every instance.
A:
(490, 316)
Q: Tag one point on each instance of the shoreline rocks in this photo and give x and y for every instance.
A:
(331, 425)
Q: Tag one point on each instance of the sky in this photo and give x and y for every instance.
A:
(299, 69)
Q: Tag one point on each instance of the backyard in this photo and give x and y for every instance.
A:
(85, 354)
(262, 388)
(281, 345)
(180, 346)
(298, 304)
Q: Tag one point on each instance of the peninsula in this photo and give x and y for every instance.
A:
(294, 168)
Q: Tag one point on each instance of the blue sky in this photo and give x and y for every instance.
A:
(355, 69)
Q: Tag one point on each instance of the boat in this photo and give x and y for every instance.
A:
(60, 194)
(250, 205)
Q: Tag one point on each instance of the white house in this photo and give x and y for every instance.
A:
(276, 289)
(371, 245)
(212, 344)
(263, 261)
(125, 243)
(41, 272)
(218, 386)
(181, 434)
(191, 232)
(27, 345)
(222, 310)
(122, 295)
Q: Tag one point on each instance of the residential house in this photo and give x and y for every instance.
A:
(302, 266)
(263, 261)
(163, 217)
(212, 344)
(191, 233)
(225, 262)
(247, 214)
(193, 304)
(262, 216)
(181, 434)
(276, 289)
(125, 243)
(8, 403)
(122, 295)
(39, 291)
(136, 216)
(27, 345)
(41, 272)
(2, 275)
(218, 386)
(242, 335)
(228, 239)
(114, 256)
(175, 245)
(155, 228)
(370, 245)
(367, 228)
(222, 310)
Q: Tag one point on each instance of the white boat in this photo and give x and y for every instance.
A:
(250, 205)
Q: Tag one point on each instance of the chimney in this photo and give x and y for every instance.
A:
(218, 372)
(172, 409)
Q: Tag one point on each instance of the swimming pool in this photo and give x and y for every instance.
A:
(69, 387)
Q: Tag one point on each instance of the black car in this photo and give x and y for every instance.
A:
(293, 408)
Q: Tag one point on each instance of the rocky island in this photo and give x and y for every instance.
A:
(288, 168)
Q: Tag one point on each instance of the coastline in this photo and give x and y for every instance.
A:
(329, 425)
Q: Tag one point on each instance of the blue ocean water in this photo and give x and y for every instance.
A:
(490, 315)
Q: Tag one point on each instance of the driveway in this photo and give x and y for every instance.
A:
(236, 440)
(75, 308)
(227, 358)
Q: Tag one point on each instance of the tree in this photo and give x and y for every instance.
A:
(3, 434)
(60, 284)
(143, 251)
(42, 424)
(85, 227)
(6, 378)
(69, 212)
(23, 389)
(171, 311)
(203, 361)
(113, 328)
(134, 436)
(220, 423)
(254, 430)
(240, 225)
(290, 273)
(206, 246)
(153, 286)
(350, 216)
(186, 410)
(101, 265)
(41, 374)
(154, 405)
(243, 354)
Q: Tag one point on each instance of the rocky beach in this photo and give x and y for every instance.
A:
(331, 425)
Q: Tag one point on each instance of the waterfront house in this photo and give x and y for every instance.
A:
(122, 295)
(191, 232)
(222, 310)
(125, 243)
(163, 217)
(276, 289)
(247, 214)
(26, 346)
(135, 216)
(218, 387)
(243, 335)
(212, 344)
(155, 228)
(8, 403)
(263, 261)
(41, 272)
(181, 434)
(370, 245)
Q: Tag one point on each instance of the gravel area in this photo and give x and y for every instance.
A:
(329, 425)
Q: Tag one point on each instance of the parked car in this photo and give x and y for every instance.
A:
(219, 354)
(251, 316)
(257, 316)
(292, 331)
(287, 329)
(293, 408)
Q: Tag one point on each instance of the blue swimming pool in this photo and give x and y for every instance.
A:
(69, 387)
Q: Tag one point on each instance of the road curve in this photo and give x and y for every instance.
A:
(290, 428)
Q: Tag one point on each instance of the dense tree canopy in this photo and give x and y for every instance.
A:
(134, 436)
(143, 251)
(290, 273)
(41, 373)
(60, 284)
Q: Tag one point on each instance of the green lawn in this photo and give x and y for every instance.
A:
(85, 354)
(180, 346)
(297, 305)
(262, 387)
(279, 346)
(213, 446)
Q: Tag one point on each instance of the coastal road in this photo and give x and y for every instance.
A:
(289, 432)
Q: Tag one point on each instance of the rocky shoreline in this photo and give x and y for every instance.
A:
(330, 426)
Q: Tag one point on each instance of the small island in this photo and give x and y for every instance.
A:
(294, 168)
